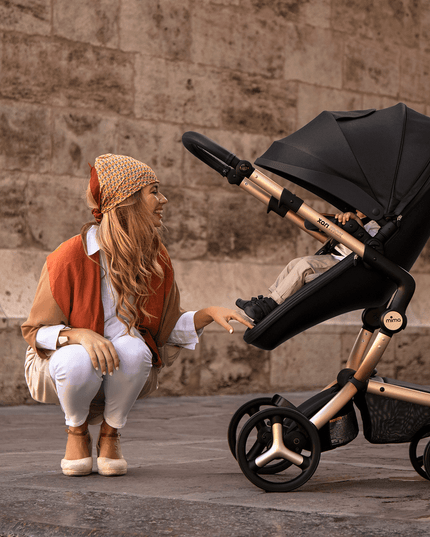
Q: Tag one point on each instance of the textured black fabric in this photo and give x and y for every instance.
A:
(387, 421)
(376, 161)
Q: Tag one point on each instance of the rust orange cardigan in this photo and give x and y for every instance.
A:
(69, 292)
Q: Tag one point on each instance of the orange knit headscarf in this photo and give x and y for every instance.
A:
(114, 178)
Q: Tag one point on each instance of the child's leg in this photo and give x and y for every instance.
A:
(297, 273)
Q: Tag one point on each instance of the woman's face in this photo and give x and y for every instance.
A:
(155, 202)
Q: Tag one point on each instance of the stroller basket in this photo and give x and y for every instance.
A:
(388, 421)
(340, 430)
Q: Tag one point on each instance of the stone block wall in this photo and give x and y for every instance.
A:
(79, 79)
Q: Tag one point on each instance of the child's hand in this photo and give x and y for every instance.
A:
(343, 218)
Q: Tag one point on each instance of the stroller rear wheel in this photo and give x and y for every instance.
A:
(420, 455)
(280, 444)
(241, 415)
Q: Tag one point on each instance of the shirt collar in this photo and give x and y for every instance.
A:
(92, 244)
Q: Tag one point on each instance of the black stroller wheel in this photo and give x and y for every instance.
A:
(280, 444)
(417, 455)
(426, 459)
(248, 409)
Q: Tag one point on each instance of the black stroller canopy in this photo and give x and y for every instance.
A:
(373, 161)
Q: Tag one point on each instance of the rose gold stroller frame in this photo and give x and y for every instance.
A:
(362, 360)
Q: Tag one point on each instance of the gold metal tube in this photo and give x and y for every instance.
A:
(400, 393)
(267, 184)
(255, 191)
(264, 188)
(333, 231)
(372, 358)
(334, 406)
(359, 348)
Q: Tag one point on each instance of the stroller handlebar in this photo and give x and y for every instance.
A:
(215, 156)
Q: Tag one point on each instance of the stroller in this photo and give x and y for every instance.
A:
(379, 163)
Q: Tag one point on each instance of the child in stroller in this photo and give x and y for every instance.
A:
(303, 270)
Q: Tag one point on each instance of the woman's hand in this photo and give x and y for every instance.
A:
(100, 349)
(221, 316)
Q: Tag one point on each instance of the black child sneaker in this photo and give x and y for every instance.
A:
(258, 307)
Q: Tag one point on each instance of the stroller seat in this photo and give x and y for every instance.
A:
(348, 286)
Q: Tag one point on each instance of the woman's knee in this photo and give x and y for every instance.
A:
(69, 361)
(134, 354)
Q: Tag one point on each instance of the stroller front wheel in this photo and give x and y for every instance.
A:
(280, 438)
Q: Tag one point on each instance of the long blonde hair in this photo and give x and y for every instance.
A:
(132, 246)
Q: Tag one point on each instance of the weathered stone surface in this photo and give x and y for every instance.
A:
(363, 19)
(228, 365)
(64, 195)
(25, 140)
(312, 100)
(183, 377)
(90, 22)
(424, 26)
(12, 215)
(314, 55)
(13, 388)
(20, 270)
(186, 222)
(252, 103)
(157, 29)
(314, 12)
(238, 229)
(205, 283)
(415, 81)
(59, 72)
(177, 92)
(423, 261)
(258, 47)
(309, 360)
(378, 101)
(27, 16)
(78, 139)
(372, 68)
(158, 144)
(412, 358)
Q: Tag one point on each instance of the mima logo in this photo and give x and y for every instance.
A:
(393, 320)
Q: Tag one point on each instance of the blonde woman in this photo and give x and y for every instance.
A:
(106, 315)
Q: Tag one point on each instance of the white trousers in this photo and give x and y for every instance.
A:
(77, 381)
(298, 272)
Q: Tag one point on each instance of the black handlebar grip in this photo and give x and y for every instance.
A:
(209, 152)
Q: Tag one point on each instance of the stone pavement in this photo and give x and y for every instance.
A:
(183, 481)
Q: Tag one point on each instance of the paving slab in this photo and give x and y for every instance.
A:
(183, 481)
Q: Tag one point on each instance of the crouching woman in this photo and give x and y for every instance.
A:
(106, 316)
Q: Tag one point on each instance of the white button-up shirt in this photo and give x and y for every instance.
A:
(183, 334)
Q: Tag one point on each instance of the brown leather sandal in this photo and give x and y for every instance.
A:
(79, 467)
(107, 466)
